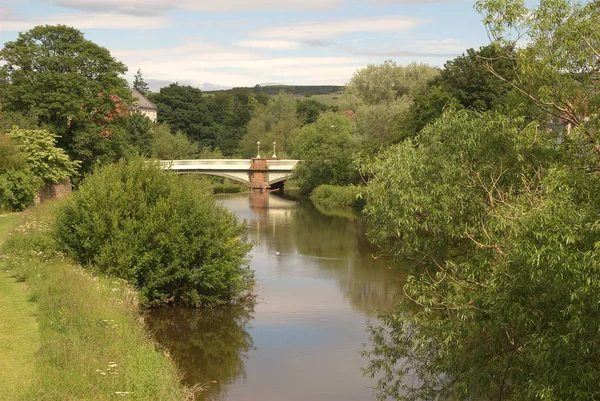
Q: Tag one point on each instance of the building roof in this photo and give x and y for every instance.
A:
(142, 101)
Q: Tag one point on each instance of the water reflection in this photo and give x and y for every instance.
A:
(317, 285)
(336, 247)
(209, 345)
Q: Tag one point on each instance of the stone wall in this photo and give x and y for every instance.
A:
(52, 191)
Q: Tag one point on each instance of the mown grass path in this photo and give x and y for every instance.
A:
(19, 338)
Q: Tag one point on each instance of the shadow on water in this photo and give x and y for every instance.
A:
(208, 345)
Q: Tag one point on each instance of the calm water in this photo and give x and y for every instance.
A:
(317, 286)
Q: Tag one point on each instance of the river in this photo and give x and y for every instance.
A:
(317, 284)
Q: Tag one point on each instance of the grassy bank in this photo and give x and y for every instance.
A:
(338, 201)
(18, 328)
(92, 345)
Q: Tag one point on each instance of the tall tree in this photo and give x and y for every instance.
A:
(67, 82)
(327, 148)
(501, 222)
(60, 76)
(139, 83)
(379, 97)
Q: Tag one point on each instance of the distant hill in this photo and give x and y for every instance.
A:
(298, 90)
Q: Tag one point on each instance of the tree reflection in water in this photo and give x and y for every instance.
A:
(207, 344)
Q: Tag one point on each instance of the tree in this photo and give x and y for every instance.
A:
(327, 150)
(62, 78)
(501, 223)
(168, 146)
(44, 159)
(17, 182)
(309, 110)
(139, 84)
(558, 65)
(379, 97)
(465, 81)
(161, 232)
(276, 122)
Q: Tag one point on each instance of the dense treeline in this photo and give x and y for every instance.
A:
(297, 90)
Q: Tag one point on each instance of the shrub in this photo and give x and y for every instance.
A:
(332, 196)
(162, 232)
(17, 190)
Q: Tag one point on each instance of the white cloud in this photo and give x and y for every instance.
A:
(328, 29)
(235, 66)
(270, 44)
(159, 6)
(86, 21)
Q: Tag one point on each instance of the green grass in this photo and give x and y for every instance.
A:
(18, 329)
(92, 341)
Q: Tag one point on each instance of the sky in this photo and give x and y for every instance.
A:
(214, 44)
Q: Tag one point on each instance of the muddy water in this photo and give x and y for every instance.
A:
(318, 284)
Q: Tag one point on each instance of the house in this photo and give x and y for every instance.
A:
(143, 105)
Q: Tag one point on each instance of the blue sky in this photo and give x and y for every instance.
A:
(246, 42)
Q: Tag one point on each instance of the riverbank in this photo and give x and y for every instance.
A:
(89, 343)
(338, 201)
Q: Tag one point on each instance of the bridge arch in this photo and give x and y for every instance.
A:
(257, 172)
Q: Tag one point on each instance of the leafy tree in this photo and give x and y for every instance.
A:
(137, 129)
(161, 232)
(43, 158)
(185, 109)
(211, 121)
(274, 123)
(168, 146)
(327, 150)
(139, 83)
(386, 82)
(465, 81)
(380, 97)
(63, 79)
(502, 225)
(558, 65)
(17, 182)
(308, 110)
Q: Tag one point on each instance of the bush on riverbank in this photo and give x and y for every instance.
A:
(338, 200)
(92, 343)
(161, 232)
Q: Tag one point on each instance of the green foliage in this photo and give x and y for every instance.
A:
(274, 123)
(61, 78)
(335, 200)
(17, 189)
(466, 81)
(161, 232)
(558, 63)
(379, 98)
(308, 110)
(46, 161)
(387, 82)
(211, 121)
(327, 150)
(138, 132)
(168, 146)
(425, 197)
(139, 84)
(17, 183)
